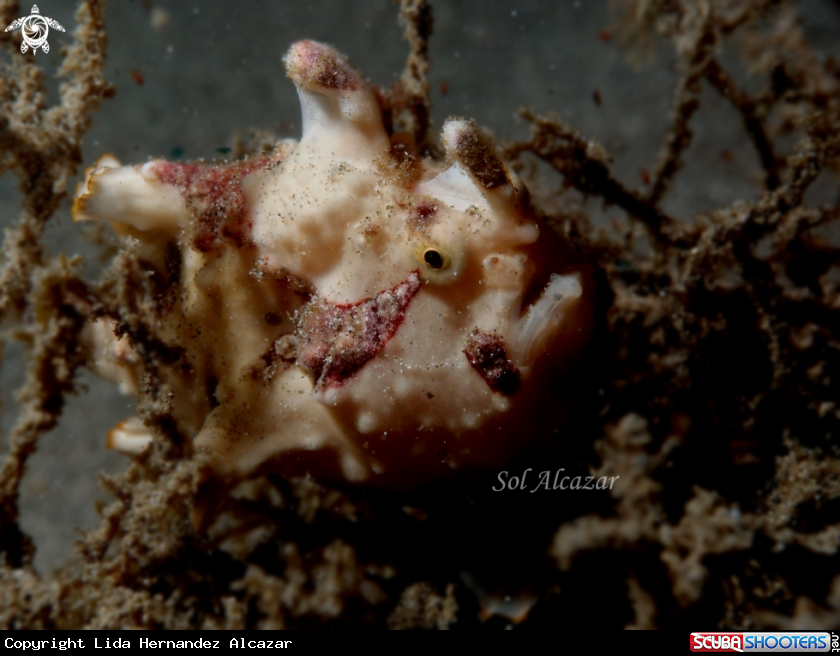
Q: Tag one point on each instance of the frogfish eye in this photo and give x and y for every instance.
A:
(433, 258)
(441, 262)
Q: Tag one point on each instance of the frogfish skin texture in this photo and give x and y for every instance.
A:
(341, 305)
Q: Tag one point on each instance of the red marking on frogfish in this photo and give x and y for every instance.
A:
(213, 193)
(423, 214)
(339, 339)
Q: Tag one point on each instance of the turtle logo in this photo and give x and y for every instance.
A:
(35, 30)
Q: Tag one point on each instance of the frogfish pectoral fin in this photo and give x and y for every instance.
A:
(533, 333)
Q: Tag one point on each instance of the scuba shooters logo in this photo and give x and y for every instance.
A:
(783, 641)
(717, 642)
(35, 29)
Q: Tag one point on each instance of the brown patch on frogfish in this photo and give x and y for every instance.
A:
(479, 156)
(313, 64)
(400, 165)
(488, 356)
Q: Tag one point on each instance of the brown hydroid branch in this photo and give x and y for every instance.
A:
(752, 118)
(585, 166)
